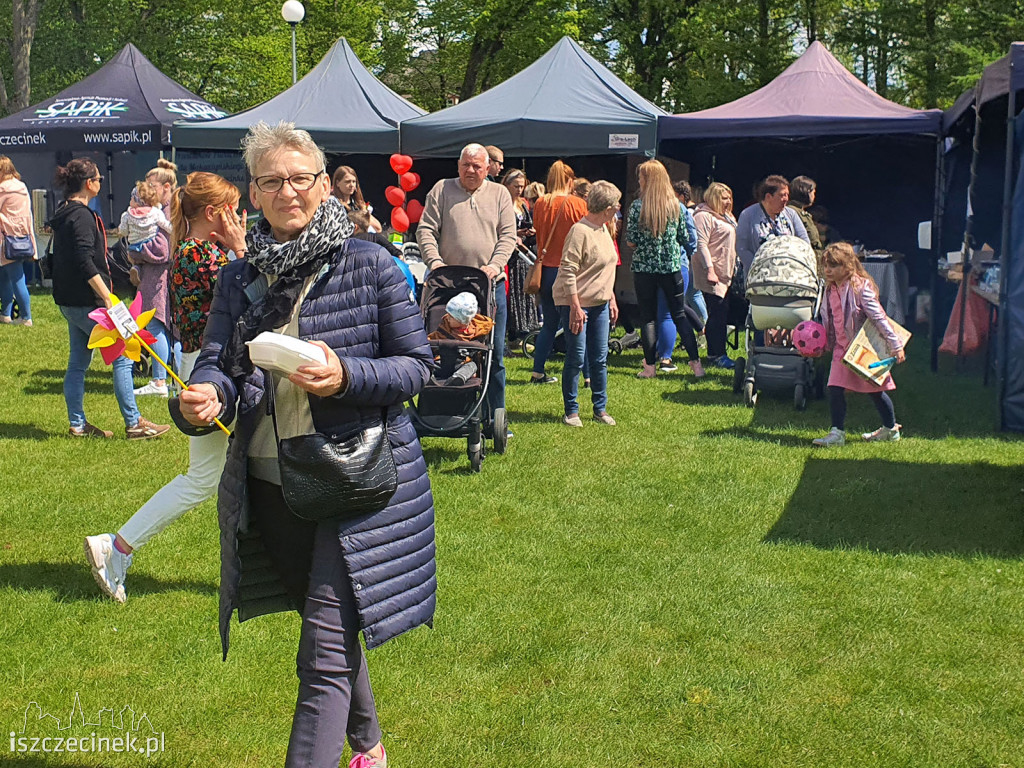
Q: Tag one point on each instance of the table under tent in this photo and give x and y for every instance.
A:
(983, 196)
(874, 161)
(119, 116)
(351, 114)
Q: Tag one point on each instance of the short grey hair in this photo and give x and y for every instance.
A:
(474, 149)
(602, 195)
(263, 139)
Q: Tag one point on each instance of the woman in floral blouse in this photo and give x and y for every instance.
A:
(209, 233)
(656, 229)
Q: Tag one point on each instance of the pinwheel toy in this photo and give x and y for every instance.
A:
(120, 330)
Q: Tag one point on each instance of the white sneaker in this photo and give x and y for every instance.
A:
(835, 436)
(152, 389)
(883, 435)
(108, 564)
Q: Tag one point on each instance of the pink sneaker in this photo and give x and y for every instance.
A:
(363, 760)
(697, 368)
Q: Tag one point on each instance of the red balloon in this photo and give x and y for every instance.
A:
(399, 220)
(394, 195)
(401, 163)
(409, 181)
(415, 211)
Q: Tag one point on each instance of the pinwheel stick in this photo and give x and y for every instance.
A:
(174, 376)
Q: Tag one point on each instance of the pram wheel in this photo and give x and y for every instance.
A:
(615, 346)
(529, 343)
(799, 397)
(500, 430)
(749, 395)
(737, 375)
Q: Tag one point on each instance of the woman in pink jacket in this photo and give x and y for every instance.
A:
(851, 297)
(15, 219)
(714, 264)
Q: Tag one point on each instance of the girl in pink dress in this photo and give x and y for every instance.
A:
(851, 297)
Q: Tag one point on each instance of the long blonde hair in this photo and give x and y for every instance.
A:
(7, 169)
(190, 200)
(845, 258)
(658, 202)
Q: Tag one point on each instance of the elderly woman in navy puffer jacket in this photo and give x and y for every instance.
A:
(303, 276)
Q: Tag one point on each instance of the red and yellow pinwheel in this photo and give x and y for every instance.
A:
(108, 339)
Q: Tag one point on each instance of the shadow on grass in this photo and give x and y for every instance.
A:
(898, 507)
(22, 432)
(51, 381)
(762, 435)
(704, 397)
(70, 581)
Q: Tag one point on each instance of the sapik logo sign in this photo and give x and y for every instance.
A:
(81, 110)
(190, 109)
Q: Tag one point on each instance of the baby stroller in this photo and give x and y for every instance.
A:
(459, 410)
(783, 290)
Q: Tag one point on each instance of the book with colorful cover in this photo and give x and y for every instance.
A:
(869, 346)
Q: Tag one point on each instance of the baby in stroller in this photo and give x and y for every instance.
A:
(461, 322)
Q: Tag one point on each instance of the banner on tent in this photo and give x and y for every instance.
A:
(623, 141)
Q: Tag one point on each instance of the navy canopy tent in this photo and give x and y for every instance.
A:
(344, 107)
(985, 129)
(564, 104)
(873, 160)
(127, 104)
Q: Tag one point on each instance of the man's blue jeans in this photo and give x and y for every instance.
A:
(591, 341)
(79, 359)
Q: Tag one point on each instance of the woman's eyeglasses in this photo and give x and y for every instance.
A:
(300, 182)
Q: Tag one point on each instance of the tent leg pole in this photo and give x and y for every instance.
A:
(110, 186)
(969, 226)
(937, 218)
(1004, 253)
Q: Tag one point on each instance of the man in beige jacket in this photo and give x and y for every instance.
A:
(471, 221)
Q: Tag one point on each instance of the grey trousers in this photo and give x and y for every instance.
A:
(335, 699)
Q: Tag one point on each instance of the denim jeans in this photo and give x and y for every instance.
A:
(592, 340)
(666, 327)
(12, 286)
(552, 320)
(79, 359)
(162, 347)
(496, 386)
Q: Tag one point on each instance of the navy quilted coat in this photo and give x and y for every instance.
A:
(361, 309)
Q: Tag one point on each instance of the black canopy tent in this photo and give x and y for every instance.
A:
(986, 204)
(127, 105)
(874, 161)
(342, 105)
(564, 104)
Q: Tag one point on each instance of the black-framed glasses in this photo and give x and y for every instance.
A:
(98, 177)
(300, 182)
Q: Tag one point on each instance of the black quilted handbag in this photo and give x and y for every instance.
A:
(323, 478)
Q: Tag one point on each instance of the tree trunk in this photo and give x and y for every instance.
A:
(3, 94)
(931, 62)
(24, 18)
(812, 21)
(763, 21)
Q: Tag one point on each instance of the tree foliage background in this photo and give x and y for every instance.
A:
(682, 54)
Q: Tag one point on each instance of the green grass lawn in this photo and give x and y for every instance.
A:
(695, 587)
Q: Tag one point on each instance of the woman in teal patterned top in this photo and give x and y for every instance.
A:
(656, 228)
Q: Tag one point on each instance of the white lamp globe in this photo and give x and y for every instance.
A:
(293, 11)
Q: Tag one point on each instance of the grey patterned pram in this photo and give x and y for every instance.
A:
(783, 290)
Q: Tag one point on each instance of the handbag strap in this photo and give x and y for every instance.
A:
(554, 220)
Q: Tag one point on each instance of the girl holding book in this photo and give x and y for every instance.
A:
(851, 298)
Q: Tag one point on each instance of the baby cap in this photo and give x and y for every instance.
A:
(462, 307)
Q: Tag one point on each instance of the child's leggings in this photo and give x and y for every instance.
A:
(837, 406)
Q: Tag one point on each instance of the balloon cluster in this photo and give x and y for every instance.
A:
(403, 214)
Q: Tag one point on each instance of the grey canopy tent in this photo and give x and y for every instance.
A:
(344, 107)
(565, 103)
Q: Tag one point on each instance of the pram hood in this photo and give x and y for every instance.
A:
(783, 267)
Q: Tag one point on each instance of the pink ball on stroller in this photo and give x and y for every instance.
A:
(809, 338)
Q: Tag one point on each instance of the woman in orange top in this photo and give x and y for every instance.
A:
(553, 217)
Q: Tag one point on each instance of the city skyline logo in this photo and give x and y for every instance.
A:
(117, 730)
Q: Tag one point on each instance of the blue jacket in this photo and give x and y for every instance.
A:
(753, 228)
(360, 309)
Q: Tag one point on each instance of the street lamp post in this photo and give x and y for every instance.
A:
(292, 12)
